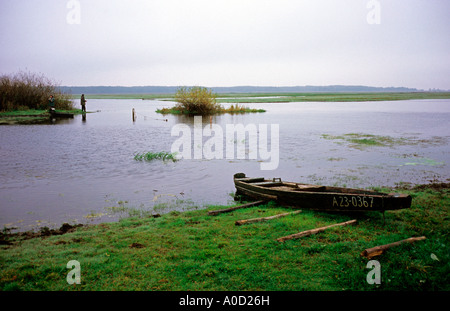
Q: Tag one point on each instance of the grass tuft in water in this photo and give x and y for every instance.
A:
(150, 156)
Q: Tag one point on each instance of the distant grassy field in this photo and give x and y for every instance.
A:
(288, 97)
(328, 97)
(194, 251)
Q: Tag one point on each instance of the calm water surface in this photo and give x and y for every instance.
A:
(82, 171)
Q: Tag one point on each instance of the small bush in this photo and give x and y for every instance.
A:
(196, 100)
(201, 101)
(30, 91)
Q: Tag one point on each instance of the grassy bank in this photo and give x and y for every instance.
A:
(193, 251)
(30, 116)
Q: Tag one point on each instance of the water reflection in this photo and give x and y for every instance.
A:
(54, 121)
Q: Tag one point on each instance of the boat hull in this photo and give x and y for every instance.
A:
(56, 114)
(316, 197)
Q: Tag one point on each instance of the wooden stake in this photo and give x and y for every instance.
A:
(378, 250)
(313, 231)
(235, 208)
(248, 221)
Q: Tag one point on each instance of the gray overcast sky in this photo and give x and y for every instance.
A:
(229, 42)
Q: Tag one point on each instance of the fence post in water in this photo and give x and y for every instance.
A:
(133, 114)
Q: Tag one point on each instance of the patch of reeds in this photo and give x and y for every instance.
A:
(26, 90)
(239, 109)
(150, 156)
(172, 110)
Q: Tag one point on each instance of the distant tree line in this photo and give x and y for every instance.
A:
(24, 90)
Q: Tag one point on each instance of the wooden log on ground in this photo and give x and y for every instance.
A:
(236, 207)
(248, 221)
(314, 231)
(378, 250)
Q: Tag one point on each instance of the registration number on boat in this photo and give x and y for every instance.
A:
(354, 201)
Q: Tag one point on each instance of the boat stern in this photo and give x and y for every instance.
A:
(397, 201)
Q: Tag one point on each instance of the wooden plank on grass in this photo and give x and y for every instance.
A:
(314, 231)
(378, 250)
(248, 221)
(236, 207)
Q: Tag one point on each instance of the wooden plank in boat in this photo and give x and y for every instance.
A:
(310, 188)
(256, 194)
(251, 180)
(268, 183)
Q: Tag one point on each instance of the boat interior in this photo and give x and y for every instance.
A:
(277, 184)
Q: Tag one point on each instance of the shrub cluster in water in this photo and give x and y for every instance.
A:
(198, 100)
(201, 101)
(24, 91)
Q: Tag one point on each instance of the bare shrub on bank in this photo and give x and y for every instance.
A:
(26, 90)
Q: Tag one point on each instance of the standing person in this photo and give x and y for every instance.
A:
(83, 103)
(51, 103)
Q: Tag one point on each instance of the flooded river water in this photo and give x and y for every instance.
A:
(82, 171)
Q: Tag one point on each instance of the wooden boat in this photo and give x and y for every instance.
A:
(316, 197)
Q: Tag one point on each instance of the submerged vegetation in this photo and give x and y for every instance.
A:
(360, 140)
(149, 156)
(192, 251)
(364, 139)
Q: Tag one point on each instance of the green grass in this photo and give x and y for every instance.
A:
(149, 156)
(30, 116)
(240, 109)
(325, 97)
(193, 251)
(172, 110)
(126, 96)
